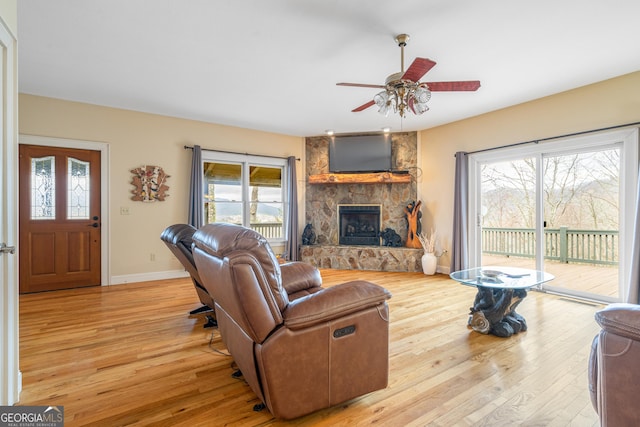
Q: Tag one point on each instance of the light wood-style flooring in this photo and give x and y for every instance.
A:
(131, 355)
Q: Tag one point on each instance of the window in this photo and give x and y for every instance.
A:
(246, 190)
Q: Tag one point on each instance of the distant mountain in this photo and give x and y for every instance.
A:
(232, 209)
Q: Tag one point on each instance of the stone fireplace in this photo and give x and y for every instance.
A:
(322, 201)
(359, 225)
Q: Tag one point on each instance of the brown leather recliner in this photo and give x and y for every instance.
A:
(299, 278)
(614, 366)
(179, 239)
(297, 355)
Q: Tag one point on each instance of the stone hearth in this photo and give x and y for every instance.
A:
(377, 258)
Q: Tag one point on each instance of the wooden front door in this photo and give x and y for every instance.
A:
(59, 202)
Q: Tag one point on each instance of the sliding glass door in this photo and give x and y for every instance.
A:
(581, 200)
(559, 207)
(508, 212)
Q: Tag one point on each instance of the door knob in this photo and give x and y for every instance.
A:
(4, 249)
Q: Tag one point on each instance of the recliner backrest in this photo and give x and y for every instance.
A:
(248, 281)
(178, 238)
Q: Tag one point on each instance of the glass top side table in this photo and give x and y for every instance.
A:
(500, 290)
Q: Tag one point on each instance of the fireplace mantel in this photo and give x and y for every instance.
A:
(360, 178)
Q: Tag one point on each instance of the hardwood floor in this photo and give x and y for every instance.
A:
(131, 355)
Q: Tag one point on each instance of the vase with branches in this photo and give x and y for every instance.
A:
(428, 242)
(429, 259)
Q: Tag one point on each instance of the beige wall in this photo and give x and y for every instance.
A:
(137, 139)
(609, 103)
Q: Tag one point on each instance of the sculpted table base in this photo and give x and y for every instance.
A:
(500, 291)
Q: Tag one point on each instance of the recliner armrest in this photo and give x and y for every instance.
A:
(334, 302)
(298, 276)
(593, 372)
(622, 319)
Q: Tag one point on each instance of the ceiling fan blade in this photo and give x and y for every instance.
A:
(363, 106)
(418, 68)
(359, 85)
(469, 85)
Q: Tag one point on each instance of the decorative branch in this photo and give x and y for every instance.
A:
(428, 243)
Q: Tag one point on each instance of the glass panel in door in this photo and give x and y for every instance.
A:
(581, 205)
(43, 188)
(79, 188)
(508, 213)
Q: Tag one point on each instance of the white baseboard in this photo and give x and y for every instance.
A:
(147, 277)
(443, 270)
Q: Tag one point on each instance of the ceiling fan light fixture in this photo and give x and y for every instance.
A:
(381, 99)
(384, 110)
(422, 95)
(419, 108)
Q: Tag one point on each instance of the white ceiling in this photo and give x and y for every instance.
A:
(273, 65)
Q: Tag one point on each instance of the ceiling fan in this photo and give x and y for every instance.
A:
(403, 91)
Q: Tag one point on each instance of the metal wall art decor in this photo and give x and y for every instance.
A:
(150, 182)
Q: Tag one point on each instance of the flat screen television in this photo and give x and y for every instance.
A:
(362, 153)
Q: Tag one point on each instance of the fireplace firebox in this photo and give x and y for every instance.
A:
(359, 225)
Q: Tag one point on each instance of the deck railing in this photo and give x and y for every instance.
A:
(561, 244)
(270, 230)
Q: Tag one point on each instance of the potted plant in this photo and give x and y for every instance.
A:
(429, 259)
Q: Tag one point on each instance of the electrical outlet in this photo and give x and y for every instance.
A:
(152, 257)
(124, 210)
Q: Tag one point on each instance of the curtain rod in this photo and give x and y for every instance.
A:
(536, 141)
(187, 147)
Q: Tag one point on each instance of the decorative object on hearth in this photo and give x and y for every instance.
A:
(429, 259)
(391, 238)
(150, 182)
(308, 235)
(404, 92)
(412, 210)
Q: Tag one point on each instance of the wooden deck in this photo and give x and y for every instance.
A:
(595, 279)
(131, 355)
